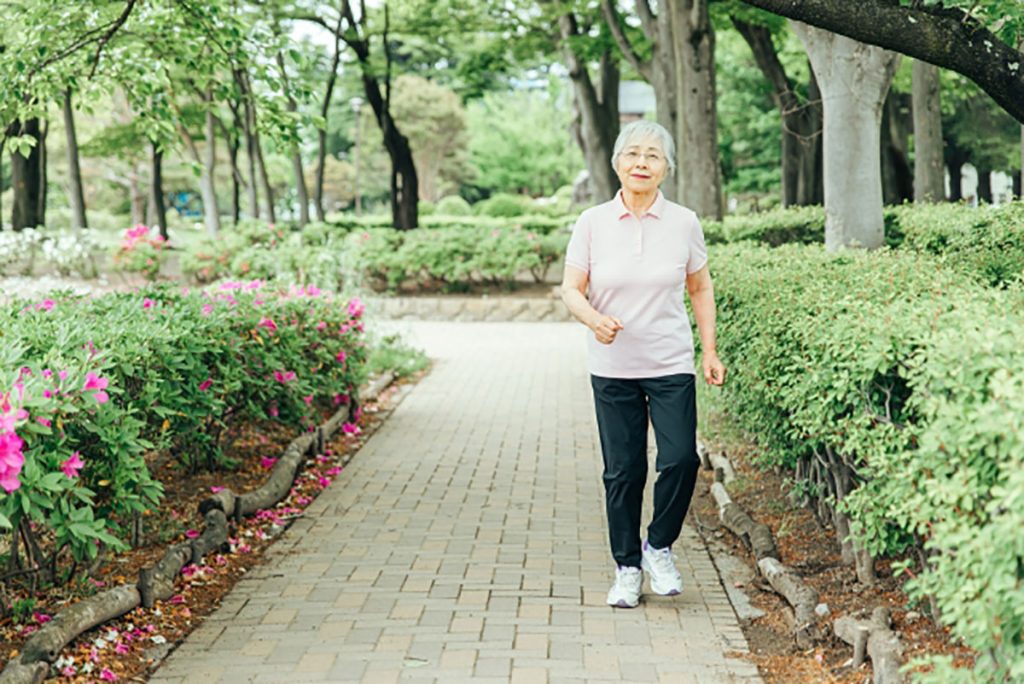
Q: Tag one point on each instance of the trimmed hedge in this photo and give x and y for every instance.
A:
(91, 385)
(536, 223)
(893, 387)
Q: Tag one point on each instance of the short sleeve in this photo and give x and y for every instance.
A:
(698, 250)
(577, 254)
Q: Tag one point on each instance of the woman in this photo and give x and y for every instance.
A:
(635, 255)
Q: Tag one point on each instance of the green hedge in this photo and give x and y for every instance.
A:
(100, 382)
(536, 223)
(903, 377)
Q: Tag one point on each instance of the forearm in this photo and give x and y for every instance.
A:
(580, 307)
(703, 302)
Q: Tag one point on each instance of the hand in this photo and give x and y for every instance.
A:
(606, 328)
(714, 370)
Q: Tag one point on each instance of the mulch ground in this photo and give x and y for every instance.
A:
(813, 552)
(127, 648)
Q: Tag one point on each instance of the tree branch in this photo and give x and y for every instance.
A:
(612, 17)
(946, 37)
(107, 30)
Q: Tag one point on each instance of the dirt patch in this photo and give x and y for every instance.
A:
(130, 646)
(810, 548)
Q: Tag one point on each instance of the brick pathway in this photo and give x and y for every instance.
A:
(466, 542)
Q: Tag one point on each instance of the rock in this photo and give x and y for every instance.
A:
(822, 610)
(912, 616)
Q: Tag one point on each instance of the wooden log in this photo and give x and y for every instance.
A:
(723, 468)
(281, 478)
(702, 453)
(379, 384)
(223, 500)
(332, 424)
(47, 643)
(157, 583)
(18, 672)
(802, 597)
(883, 644)
(214, 536)
(755, 536)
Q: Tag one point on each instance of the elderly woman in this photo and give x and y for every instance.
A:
(626, 268)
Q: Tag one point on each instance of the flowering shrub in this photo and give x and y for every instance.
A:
(69, 253)
(18, 248)
(140, 251)
(87, 387)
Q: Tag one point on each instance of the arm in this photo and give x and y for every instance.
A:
(574, 289)
(702, 297)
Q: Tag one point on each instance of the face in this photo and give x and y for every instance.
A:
(641, 166)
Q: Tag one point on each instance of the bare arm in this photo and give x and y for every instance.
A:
(574, 294)
(702, 298)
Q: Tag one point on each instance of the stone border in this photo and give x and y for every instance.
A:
(455, 308)
(157, 583)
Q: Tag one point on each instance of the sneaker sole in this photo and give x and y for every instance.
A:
(623, 604)
(655, 587)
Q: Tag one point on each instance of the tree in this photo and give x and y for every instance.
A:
(75, 193)
(854, 79)
(951, 37)
(928, 167)
(28, 174)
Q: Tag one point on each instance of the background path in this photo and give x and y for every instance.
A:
(466, 542)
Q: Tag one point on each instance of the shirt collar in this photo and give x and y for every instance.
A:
(656, 210)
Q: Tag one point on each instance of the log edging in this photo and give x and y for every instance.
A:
(156, 583)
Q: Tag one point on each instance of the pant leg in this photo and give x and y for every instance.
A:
(673, 408)
(622, 424)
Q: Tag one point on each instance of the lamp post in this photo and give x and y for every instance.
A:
(357, 108)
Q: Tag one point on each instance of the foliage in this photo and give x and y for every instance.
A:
(140, 251)
(392, 353)
(92, 385)
(452, 259)
(776, 227)
(503, 205)
(453, 205)
(908, 371)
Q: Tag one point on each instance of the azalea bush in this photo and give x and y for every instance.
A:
(91, 386)
(142, 250)
(69, 253)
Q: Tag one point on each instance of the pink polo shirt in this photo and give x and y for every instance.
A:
(637, 269)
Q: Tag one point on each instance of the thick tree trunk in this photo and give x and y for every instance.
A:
(301, 194)
(156, 190)
(598, 110)
(27, 179)
(854, 79)
(404, 184)
(700, 178)
(955, 168)
(984, 186)
(249, 131)
(325, 106)
(897, 126)
(810, 132)
(928, 167)
(211, 212)
(75, 193)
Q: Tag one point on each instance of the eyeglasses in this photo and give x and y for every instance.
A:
(632, 156)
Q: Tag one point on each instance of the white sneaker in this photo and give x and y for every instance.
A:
(625, 593)
(660, 565)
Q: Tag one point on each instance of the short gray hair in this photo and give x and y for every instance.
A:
(640, 129)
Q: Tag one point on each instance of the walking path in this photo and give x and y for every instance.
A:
(466, 542)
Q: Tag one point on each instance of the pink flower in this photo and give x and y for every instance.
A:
(268, 462)
(47, 373)
(71, 466)
(191, 534)
(341, 356)
(121, 648)
(69, 671)
(63, 375)
(356, 307)
(324, 481)
(205, 384)
(215, 489)
(284, 376)
(308, 399)
(46, 305)
(207, 309)
(147, 303)
(350, 428)
(107, 676)
(273, 411)
(94, 382)
(45, 422)
(267, 323)
(11, 460)
(333, 471)
(48, 394)
(321, 325)
(41, 618)
(177, 599)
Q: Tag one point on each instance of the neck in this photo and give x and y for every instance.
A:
(639, 202)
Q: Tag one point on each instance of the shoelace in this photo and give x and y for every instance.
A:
(626, 575)
(663, 559)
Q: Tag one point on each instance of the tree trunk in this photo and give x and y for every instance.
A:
(325, 106)
(75, 193)
(984, 186)
(156, 190)
(301, 194)
(404, 184)
(211, 212)
(928, 167)
(700, 178)
(44, 180)
(955, 168)
(236, 176)
(810, 129)
(854, 79)
(26, 179)
(249, 130)
(598, 109)
(136, 197)
(897, 126)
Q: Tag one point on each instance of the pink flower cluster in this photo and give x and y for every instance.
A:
(140, 233)
(11, 457)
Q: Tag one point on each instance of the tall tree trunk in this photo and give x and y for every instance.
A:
(404, 184)
(928, 166)
(854, 79)
(156, 190)
(75, 193)
(955, 168)
(810, 127)
(236, 177)
(984, 185)
(897, 126)
(700, 178)
(137, 199)
(211, 212)
(261, 170)
(27, 179)
(301, 194)
(249, 131)
(44, 179)
(598, 107)
(325, 106)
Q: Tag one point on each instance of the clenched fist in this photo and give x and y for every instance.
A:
(606, 328)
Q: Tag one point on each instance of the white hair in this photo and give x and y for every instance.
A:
(640, 129)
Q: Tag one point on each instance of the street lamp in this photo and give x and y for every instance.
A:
(357, 107)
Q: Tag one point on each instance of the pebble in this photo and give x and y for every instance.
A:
(822, 610)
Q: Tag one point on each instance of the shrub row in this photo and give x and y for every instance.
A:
(986, 242)
(90, 386)
(451, 259)
(882, 374)
(530, 222)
